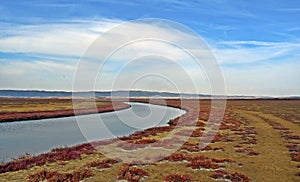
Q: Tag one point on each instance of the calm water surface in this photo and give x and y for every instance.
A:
(38, 136)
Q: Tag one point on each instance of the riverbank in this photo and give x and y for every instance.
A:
(17, 109)
(251, 135)
(39, 136)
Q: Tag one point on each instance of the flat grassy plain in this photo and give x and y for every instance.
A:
(12, 109)
(258, 140)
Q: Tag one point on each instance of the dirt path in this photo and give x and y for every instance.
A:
(293, 127)
(268, 166)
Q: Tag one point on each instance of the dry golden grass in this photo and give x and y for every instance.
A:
(272, 164)
(44, 104)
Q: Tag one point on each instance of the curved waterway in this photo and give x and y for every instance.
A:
(38, 136)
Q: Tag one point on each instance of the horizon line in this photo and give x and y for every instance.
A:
(170, 92)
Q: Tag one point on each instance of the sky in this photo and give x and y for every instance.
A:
(256, 44)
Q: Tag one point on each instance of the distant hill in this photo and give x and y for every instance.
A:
(121, 93)
(45, 94)
(33, 93)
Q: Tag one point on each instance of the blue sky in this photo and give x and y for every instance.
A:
(256, 42)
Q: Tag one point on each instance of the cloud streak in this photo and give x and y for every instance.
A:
(240, 52)
(56, 49)
(70, 38)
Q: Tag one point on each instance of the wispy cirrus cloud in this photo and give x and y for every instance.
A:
(233, 52)
(63, 38)
(289, 9)
(55, 48)
(50, 50)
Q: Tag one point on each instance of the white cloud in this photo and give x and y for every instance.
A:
(36, 74)
(239, 52)
(64, 40)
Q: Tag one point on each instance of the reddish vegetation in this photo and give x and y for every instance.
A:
(143, 141)
(16, 116)
(178, 178)
(58, 154)
(195, 147)
(135, 144)
(148, 132)
(41, 175)
(234, 177)
(248, 150)
(184, 133)
(291, 137)
(286, 134)
(198, 162)
(213, 148)
(54, 176)
(242, 150)
(222, 160)
(131, 173)
(239, 177)
(167, 143)
(106, 163)
(293, 147)
(239, 126)
(190, 147)
(247, 134)
(219, 174)
(197, 132)
(129, 146)
(177, 157)
(295, 156)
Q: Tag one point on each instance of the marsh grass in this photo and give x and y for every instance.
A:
(246, 127)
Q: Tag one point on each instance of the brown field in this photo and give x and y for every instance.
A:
(12, 109)
(258, 140)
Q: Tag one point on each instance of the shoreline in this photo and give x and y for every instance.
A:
(6, 117)
(239, 147)
(88, 147)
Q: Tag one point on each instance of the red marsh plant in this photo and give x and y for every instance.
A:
(292, 137)
(293, 147)
(207, 164)
(239, 177)
(167, 143)
(198, 162)
(54, 176)
(225, 160)
(220, 174)
(234, 177)
(135, 144)
(176, 156)
(295, 156)
(130, 146)
(41, 175)
(248, 150)
(190, 147)
(184, 133)
(197, 132)
(106, 163)
(131, 173)
(58, 154)
(143, 141)
(178, 178)
(148, 132)
(207, 148)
